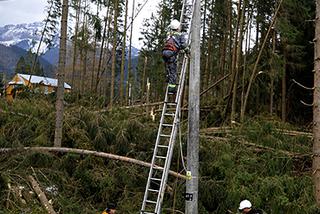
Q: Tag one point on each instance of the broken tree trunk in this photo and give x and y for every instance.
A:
(42, 197)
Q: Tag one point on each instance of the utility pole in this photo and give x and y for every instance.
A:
(194, 113)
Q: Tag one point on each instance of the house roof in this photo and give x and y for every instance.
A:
(38, 80)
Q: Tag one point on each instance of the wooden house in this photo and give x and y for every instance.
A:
(39, 84)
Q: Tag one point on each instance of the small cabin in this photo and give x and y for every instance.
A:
(39, 84)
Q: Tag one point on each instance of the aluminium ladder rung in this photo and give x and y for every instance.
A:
(170, 119)
(153, 190)
(165, 135)
(163, 146)
(147, 212)
(161, 157)
(171, 104)
(151, 202)
(155, 179)
(167, 125)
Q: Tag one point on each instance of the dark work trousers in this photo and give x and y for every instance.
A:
(170, 59)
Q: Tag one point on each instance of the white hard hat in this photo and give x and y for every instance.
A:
(175, 25)
(245, 204)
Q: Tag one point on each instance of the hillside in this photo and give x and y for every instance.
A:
(16, 40)
(9, 57)
(259, 159)
(251, 86)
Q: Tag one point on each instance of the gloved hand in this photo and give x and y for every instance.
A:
(186, 51)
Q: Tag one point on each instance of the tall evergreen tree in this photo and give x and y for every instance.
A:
(21, 66)
(154, 34)
(61, 73)
(295, 32)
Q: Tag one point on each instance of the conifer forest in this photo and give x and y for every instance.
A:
(259, 111)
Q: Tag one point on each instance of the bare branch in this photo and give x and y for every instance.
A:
(299, 84)
(306, 104)
(214, 84)
(228, 130)
(259, 148)
(253, 74)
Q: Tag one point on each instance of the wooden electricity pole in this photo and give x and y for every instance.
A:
(194, 112)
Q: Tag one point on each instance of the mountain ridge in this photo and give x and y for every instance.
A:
(17, 40)
(9, 57)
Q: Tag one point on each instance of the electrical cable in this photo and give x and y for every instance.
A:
(180, 143)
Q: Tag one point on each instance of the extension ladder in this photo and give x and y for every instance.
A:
(168, 128)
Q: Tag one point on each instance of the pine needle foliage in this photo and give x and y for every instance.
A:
(251, 164)
(256, 161)
(85, 184)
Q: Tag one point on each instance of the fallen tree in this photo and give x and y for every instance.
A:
(228, 130)
(42, 197)
(87, 152)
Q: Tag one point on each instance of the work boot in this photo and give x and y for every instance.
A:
(172, 89)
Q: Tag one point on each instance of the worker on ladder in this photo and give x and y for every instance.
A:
(175, 42)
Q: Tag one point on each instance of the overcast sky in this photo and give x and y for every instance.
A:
(21, 11)
(28, 11)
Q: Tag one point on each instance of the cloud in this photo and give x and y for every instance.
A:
(22, 11)
(29, 11)
(148, 9)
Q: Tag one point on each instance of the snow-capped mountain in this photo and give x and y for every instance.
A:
(26, 36)
(16, 40)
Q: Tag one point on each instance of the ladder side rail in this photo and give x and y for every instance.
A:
(165, 172)
(183, 10)
(154, 154)
(184, 14)
(189, 27)
(174, 130)
(178, 98)
(172, 138)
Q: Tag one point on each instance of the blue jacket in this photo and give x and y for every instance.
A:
(179, 38)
